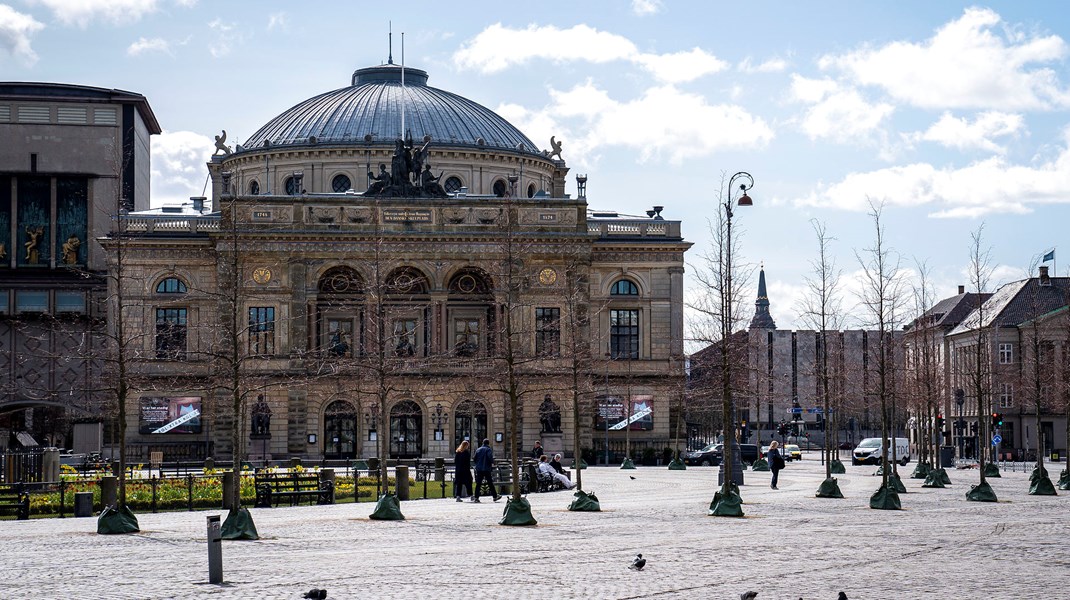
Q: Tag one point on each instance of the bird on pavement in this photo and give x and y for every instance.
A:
(316, 594)
(842, 596)
(630, 477)
(748, 595)
(638, 563)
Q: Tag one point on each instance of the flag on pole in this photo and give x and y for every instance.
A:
(1050, 256)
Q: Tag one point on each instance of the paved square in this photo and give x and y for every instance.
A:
(790, 545)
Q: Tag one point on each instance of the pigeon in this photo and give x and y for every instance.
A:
(630, 477)
(638, 563)
(748, 595)
(316, 594)
(842, 596)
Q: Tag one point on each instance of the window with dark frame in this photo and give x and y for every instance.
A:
(453, 184)
(171, 285)
(171, 333)
(405, 337)
(1006, 354)
(341, 183)
(624, 287)
(624, 333)
(466, 337)
(262, 330)
(547, 331)
(291, 186)
(254, 188)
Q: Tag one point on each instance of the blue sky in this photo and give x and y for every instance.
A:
(953, 115)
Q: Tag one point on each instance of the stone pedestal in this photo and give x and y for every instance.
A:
(401, 477)
(109, 490)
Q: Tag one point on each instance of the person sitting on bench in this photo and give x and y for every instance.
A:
(545, 468)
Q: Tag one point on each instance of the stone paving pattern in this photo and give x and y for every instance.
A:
(790, 545)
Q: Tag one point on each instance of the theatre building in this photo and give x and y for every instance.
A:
(388, 259)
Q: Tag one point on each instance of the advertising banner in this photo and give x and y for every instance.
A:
(170, 414)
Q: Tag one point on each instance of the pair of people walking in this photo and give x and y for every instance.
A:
(462, 475)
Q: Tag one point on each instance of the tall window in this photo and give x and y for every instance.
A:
(624, 333)
(340, 337)
(171, 333)
(1006, 395)
(405, 337)
(1006, 354)
(466, 337)
(547, 331)
(262, 330)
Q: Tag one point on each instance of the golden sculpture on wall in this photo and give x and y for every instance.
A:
(70, 249)
(34, 234)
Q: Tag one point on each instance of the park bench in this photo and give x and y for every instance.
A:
(14, 498)
(274, 488)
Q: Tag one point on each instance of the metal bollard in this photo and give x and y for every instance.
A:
(215, 550)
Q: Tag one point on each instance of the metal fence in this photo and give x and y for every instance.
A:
(24, 466)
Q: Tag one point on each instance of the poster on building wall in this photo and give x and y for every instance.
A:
(611, 409)
(170, 415)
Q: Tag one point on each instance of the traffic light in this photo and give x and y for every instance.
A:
(743, 432)
(997, 419)
(939, 421)
(783, 429)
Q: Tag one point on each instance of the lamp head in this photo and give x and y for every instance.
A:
(745, 200)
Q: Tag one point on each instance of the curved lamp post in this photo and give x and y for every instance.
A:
(731, 466)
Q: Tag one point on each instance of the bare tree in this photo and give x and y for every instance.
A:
(978, 376)
(821, 310)
(882, 297)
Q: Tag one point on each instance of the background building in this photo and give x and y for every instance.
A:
(71, 157)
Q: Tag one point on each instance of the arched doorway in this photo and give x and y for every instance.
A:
(470, 423)
(406, 430)
(340, 430)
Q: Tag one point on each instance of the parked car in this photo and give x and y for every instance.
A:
(705, 456)
(792, 452)
(846, 445)
(868, 451)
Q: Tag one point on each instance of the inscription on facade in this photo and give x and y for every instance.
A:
(547, 217)
(407, 215)
(261, 215)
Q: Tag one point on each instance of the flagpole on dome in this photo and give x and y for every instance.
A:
(402, 85)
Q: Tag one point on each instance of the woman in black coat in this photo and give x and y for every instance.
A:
(462, 471)
(776, 462)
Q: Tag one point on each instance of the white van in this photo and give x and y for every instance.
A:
(868, 451)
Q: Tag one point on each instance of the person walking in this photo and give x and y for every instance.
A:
(462, 470)
(484, 464)
(776, 462)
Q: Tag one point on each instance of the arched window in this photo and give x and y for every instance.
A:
(341, 280)
(453, 184)
(340, 430)
(624, 287)
(341, 183)
(531, 191)
(500, 188)
(407, 281)
(469, 423)
(291, 186)
(406, 430)
(254, 188)
(171, 285)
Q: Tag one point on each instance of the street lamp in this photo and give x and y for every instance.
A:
(731, 466)
(960, 399)
(439, 416)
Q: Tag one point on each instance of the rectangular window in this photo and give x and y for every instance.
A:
(70, 302)
(405, 337)
(171, 333)
(1006, 395)
(31, 301)
(262, 330)
(466, 337)
(624, 333)
(340, 337)
(548, 331)
(1006, 354)
(4, 308)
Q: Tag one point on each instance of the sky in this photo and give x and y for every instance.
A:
(951, 117)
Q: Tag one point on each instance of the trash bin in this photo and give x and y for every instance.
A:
(947, 456)
(83, 504)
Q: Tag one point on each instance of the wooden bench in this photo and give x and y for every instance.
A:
(274, 488)
(14, 498)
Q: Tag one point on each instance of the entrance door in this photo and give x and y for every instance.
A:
(340, 430)
(470, 423)
(406, 430)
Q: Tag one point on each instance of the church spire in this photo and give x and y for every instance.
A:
(762, 319)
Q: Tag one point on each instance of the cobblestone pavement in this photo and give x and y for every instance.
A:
(789, 545)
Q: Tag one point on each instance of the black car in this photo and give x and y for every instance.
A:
(712, 455)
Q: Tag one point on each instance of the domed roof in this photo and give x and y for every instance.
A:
(371, 106)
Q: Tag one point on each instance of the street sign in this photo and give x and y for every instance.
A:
(795, 411)
(996, 439)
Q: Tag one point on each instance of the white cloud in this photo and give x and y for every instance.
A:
(966, 64)
(276, 20)
(837, 113)
(221, 46)
(497, 48)
(646, 7)
(16, 29)
(773, 65)
(178, 165)
(662, 122)
(961, 134)
(84, 12)
(991, 186)
(143, 45)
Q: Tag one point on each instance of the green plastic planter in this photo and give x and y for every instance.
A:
(239, 526)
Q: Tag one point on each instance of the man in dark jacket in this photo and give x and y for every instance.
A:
(484, 463)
